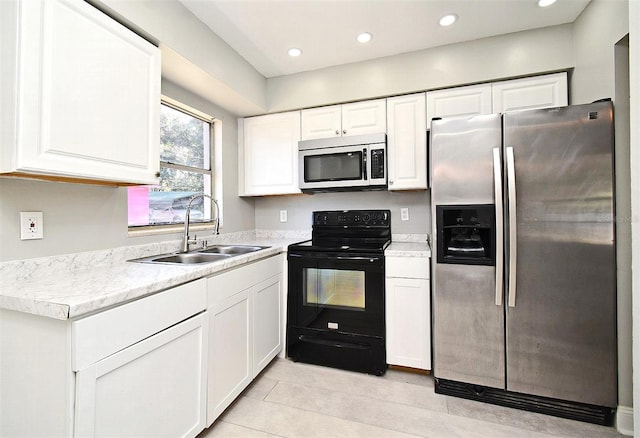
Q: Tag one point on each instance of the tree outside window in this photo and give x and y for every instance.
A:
(185, 169)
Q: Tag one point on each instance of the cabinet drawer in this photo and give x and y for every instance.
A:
(108, 332)
(407, 267)
(222, 286)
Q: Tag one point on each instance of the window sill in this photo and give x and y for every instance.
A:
(155, 230)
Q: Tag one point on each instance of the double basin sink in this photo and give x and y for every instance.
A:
(205, 255)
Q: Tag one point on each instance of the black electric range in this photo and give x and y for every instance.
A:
(336, 300)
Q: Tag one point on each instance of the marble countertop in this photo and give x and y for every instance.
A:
(74, 285)
(408, 249)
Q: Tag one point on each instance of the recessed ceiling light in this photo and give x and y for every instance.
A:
(448, 20)
(295, 52)
(364, 37)
(545, 3)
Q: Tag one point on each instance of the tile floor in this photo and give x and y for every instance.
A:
(299, 400)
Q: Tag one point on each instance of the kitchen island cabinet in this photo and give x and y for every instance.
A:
(80, 95)
(137, 369)
(407, 308)
(268, 154)
(245, 311)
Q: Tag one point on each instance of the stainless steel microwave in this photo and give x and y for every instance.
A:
(357, 162)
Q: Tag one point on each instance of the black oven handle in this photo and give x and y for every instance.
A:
(327, 256)
(371, 259)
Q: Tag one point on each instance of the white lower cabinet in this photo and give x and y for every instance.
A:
(408, 314)
(138, 369)
(151, 389)
(245, 311)
(230, 352)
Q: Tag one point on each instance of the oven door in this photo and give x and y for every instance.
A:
(337, 292)
(333, 168)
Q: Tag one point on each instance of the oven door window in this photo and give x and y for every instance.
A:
(341, 166)
(334, 288)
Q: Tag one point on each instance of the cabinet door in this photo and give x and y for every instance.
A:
(366, 117)
(459, 101)
(88, 95)
(267, 316)
(408, 321)
(323, 122)
(407, 142)
(271, 154)
(229, 352)
(546, 91)
(155, 388)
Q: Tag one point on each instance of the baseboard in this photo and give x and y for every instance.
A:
(624, 420)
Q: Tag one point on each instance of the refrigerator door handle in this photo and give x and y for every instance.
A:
(513, 255)
(497, 188)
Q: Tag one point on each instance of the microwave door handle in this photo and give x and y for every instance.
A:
(364, 164)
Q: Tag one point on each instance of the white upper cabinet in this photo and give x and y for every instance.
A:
(357, 118)
(460, 101)
(323, 122)
(545, 91)
(269, 154)
(368, 117)
(407, 142)
(80, 94)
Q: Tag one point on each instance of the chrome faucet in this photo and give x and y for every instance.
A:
(185, 238)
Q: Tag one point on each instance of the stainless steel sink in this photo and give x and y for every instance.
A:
(198, 256)
(190, 258)
(231, 249)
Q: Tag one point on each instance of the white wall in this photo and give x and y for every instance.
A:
(506, 56)
(299, 208)
(595, 77)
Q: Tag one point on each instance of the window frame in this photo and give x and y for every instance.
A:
(134, 230)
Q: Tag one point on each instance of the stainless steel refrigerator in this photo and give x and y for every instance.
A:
(523, 277)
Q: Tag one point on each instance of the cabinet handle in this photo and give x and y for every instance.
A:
(344, 131)
(337, 132)
(390, 183)
(157, 174)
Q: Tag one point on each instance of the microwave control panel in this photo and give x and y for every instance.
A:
(377, 163)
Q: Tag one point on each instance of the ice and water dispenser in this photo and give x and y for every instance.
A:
(466, 234)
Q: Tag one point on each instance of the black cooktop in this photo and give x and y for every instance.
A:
(348, 231)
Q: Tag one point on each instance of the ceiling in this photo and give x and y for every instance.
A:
(262, 31)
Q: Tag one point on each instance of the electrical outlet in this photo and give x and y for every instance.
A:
(404, 214)
(31, 225)
(283, 215)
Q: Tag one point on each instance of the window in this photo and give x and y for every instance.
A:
(185, 169)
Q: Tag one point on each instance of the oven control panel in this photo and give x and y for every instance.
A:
(352, 218)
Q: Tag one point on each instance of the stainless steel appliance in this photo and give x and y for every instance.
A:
(335, 307)
(524, 278)
(357, 162)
